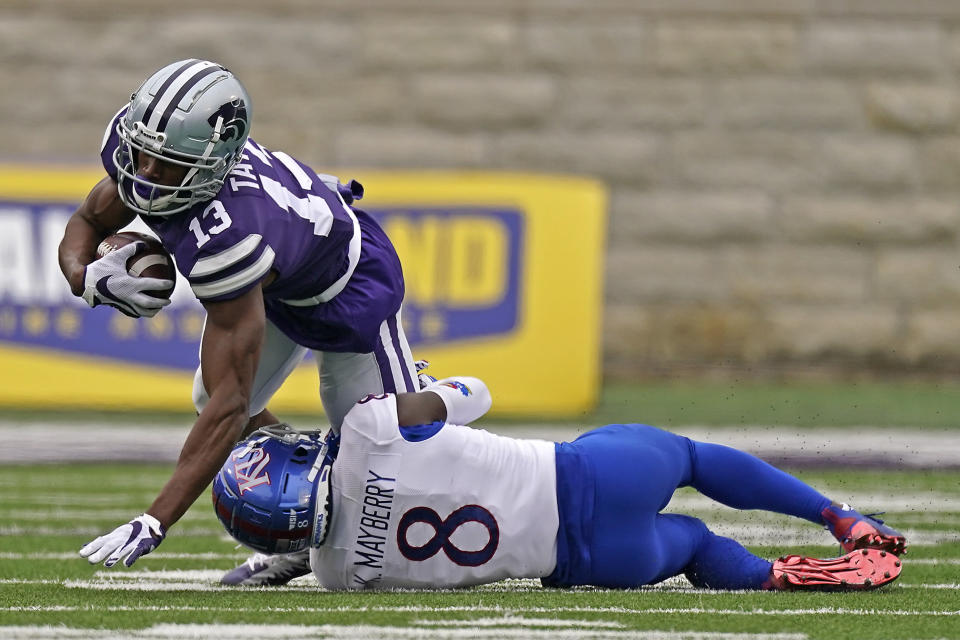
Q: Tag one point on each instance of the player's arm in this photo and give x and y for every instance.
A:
(419, 408)
(106, 281)
(459, 400)
(100, 214)
(230, 351)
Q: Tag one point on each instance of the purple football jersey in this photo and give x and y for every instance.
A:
(336, 275)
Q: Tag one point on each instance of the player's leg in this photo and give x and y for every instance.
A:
(676, 544)
(717, 562)
(279, 356)
(630, 473)
(346, 378)
(635, 471)
(687, 546)
(743, 481)
(620, 478)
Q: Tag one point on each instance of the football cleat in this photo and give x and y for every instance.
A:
(262, 570)
(857, 531)
(857, 571)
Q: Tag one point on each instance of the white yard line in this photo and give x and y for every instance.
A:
(370, 632)
(39, 441)
(518, 621)
(922, 507)
(207, 581)
(790, 535)
(46, 530)
(795, 536)
(92, 513)
(66, 500)
(511, 610)
(952, 586)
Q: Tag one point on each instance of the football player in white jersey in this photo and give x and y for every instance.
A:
(407, 496)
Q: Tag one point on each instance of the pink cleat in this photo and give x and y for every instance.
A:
(857, 571)
(856, 531)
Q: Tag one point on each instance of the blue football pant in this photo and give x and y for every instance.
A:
(639, 467)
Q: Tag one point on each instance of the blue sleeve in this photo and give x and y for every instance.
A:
(421, 432)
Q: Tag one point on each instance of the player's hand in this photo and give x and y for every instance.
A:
(106, 281)
(137, 538)
(424, 379)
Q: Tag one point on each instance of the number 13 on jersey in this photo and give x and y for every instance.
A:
(222, 223)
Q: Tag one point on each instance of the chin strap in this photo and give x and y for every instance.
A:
(321, 474)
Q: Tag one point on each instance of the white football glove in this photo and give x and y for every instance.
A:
(424, 379)
(106, 281)
(137, 538)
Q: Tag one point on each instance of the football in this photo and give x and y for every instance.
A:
(151, 261)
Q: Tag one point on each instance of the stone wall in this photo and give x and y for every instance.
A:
(784, 174)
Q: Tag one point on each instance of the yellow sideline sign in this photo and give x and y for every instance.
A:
(503, 279)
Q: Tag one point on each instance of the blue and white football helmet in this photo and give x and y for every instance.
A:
(192, 113)
(267, 492)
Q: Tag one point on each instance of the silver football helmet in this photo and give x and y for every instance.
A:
(192, 113)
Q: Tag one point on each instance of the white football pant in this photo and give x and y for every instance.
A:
(345, 378)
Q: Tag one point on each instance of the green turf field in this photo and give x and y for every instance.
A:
(46, 591)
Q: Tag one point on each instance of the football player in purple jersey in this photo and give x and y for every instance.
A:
(276, 253)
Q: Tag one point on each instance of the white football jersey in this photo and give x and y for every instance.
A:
(460, 508)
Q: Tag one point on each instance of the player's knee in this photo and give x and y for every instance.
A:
(695, 527)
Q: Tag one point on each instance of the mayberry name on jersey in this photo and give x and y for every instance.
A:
(374, 523)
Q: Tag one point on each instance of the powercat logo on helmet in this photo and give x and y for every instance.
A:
(234, 116)
(247, 479)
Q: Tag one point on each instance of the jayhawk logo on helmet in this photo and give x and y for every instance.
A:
(250, 471)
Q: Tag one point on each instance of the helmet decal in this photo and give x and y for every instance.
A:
(162, 90)
(265, 494)
(259, 459)
(173, 90)
(234, 116)
(188, 86)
